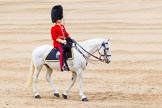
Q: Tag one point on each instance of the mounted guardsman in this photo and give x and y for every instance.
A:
(82, 52)
(59, 34)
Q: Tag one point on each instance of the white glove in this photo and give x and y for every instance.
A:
(72, 38)
(63, 42)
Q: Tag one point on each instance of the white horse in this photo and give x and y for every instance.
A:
(77, 65)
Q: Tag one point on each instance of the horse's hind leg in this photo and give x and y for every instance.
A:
(48, 77)
(72, 82)
(35, 78)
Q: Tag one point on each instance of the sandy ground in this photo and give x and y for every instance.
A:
(132, 80)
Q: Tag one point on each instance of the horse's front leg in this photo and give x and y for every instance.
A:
(80, 83)
(72, 82)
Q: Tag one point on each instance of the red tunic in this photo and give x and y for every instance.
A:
(56, 32)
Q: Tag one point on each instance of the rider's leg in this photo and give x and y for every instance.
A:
(65, 57)
(61, 57)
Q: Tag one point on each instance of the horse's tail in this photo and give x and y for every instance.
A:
(30, 77)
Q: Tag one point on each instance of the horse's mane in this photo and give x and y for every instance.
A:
(91, 41)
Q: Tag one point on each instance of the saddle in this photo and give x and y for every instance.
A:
(54, 54)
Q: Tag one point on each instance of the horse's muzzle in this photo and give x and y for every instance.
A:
(107, 61)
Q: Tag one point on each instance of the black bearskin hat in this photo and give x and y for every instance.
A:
(56, 13)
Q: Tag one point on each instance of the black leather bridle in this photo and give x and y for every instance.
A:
(105, 51)
(98, 58)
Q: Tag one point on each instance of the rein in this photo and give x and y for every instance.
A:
(102, 60)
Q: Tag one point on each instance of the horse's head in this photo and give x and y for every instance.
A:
(105, 52)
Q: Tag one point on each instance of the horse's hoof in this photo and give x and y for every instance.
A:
(64, 96)
(56, 94)
(37, 97)
(84, 99)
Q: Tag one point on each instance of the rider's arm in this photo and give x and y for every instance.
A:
(66, 33)
(53, 33)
